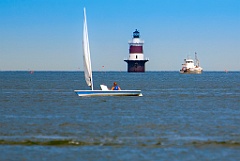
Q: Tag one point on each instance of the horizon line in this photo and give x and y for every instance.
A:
(111, 71)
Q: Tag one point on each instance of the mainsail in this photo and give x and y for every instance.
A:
(86, 54)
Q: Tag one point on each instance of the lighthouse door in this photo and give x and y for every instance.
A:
(136, 66)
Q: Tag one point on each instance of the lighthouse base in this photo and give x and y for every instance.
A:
(136, 65)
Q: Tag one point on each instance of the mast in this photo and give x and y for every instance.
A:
(197, 61)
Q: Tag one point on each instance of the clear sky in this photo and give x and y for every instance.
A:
(47, 34)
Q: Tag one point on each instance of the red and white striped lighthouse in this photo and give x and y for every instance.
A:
(136, 61)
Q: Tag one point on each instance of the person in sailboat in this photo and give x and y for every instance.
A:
(115, 86)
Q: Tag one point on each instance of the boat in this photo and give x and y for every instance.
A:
(190, 68)
(104, 91)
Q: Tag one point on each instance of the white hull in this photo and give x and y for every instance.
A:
(88, 93)
(191, 71)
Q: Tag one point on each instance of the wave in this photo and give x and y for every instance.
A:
(58, 143)
(158, 143)
(212, 142)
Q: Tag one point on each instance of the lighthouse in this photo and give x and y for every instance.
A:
(136, 61)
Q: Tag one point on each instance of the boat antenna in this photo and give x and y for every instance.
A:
(197, 61)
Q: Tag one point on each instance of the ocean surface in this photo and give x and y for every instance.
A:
(181, 117)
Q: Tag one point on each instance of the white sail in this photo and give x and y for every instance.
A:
(86, 54)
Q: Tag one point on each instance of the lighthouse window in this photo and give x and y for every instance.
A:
(136, 56)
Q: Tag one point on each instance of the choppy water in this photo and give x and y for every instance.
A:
(179, 117)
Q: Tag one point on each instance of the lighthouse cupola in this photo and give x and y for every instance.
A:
(136, 61)
(136, 34)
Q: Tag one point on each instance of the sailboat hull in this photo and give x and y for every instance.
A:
(84, 93)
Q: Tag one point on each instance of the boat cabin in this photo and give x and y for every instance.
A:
(188, 63)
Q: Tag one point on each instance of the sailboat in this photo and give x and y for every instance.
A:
(88, 72)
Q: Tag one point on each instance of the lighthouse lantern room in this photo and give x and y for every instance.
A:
(136, 61)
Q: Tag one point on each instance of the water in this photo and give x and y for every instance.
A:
(179, 117)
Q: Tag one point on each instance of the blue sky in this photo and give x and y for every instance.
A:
(47, 34)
